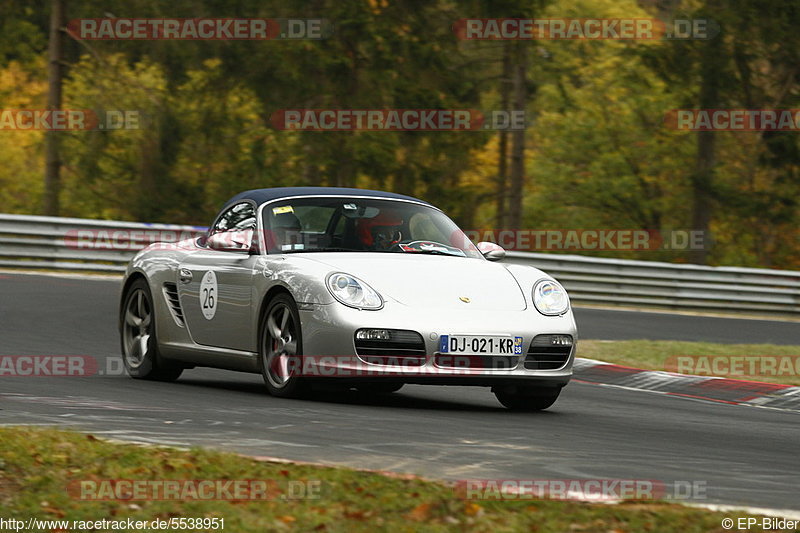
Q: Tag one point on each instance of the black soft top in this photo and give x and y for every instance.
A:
(260, 196)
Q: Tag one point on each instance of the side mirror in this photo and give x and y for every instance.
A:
(231, 241)
(491, 251)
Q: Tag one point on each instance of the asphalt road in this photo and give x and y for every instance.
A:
(739, 455)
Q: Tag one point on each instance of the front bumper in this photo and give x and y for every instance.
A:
(329, 346)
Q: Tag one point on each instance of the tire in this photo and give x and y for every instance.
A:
(281, 347)
(528, 400)
(138, 337)
(379, 388)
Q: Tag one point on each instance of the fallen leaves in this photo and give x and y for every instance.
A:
(473, 509)
(420, 513)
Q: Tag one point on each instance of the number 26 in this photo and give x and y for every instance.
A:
(208, 298)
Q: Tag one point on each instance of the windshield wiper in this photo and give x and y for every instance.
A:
(431, 252)
(319, 250)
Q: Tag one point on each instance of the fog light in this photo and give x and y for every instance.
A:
(561, 340)
(373, 334)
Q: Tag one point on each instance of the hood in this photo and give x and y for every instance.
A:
(431, 281)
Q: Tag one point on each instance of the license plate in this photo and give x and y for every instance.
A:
(480, 344)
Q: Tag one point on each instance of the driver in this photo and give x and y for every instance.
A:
(286, 232)
(380, 232)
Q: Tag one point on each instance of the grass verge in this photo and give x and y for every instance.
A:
(36, 466)
(654, 355)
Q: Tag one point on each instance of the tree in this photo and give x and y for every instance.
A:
(52, 178)
(516, 189)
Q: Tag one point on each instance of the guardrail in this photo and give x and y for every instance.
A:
(623, 282)
(79, 244)
(75, 244)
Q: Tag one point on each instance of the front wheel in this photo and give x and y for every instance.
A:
(281, 348)
(138, 334)
(528, 399)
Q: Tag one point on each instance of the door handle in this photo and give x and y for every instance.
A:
(186, 275)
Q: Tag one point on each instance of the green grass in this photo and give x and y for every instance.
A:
(653, 355)
(37, 464)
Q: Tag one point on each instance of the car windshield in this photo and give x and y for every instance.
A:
(322, 224)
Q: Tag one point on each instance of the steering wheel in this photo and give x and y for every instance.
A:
(381, 240)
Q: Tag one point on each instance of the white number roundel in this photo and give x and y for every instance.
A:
(208, 295)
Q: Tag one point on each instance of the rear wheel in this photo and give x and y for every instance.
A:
(138, 334)
(281, 348)
(527, 399)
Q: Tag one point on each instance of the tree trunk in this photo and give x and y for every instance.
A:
(703, 177)
(506, 84)
(52, 178)
(345, 171)
(150, 154)
(517, 182)
(702, 181)
(405, 181)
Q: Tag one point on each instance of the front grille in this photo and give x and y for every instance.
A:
(405, 348)
(544, 355)
(486, 362)
(171, 295)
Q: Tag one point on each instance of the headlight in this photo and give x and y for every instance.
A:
(550, 298)
(352, 291)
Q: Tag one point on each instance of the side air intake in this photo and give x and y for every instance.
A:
(174, 303)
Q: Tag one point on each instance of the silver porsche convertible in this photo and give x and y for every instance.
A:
(348, 288)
